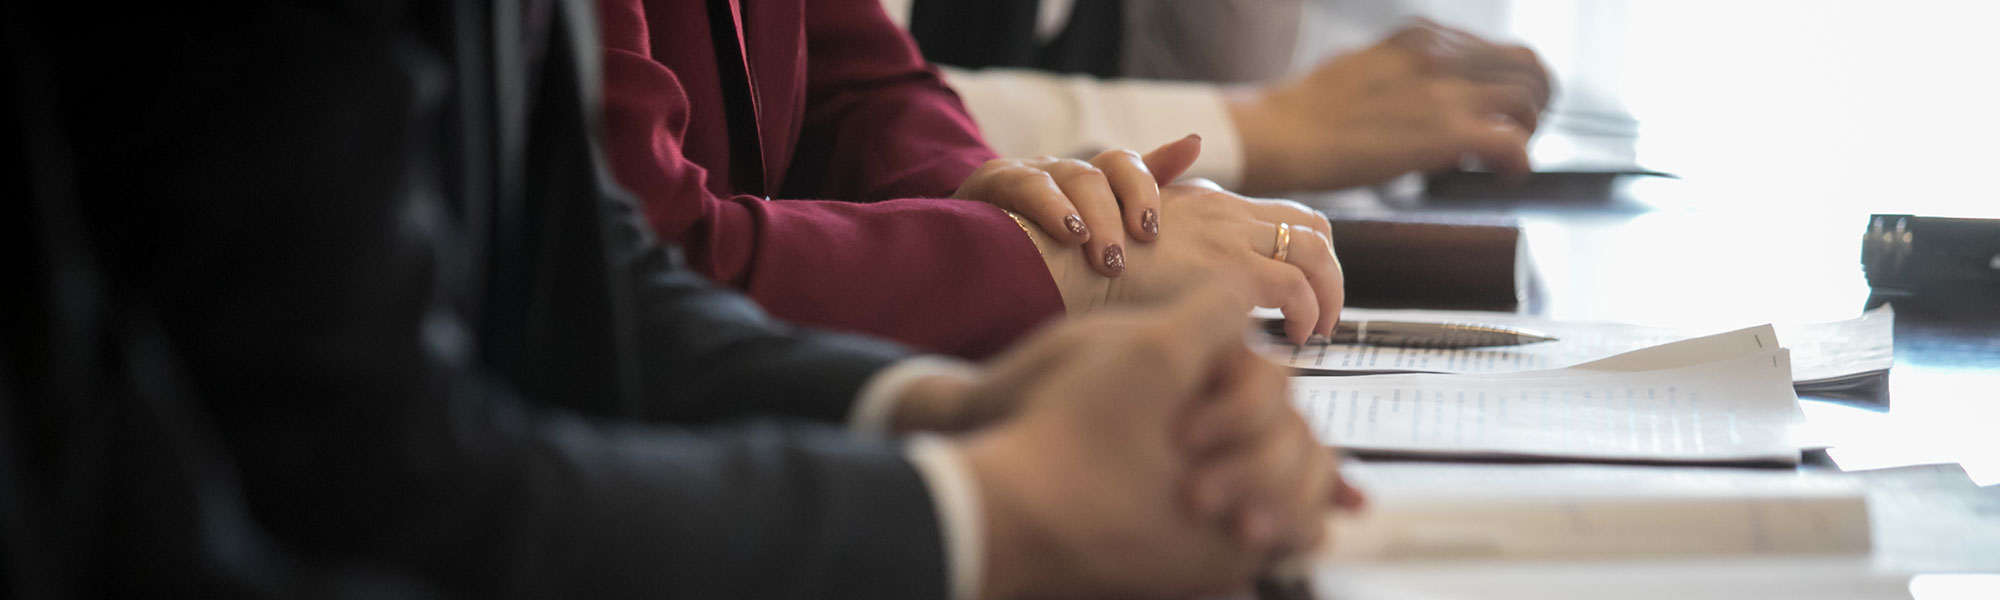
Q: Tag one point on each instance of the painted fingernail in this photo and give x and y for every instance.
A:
(1074, 224)
(1114, 259)
(1150, 221)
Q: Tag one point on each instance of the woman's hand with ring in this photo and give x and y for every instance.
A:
(1227, 233)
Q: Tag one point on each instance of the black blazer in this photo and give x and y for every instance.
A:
(334, 298)
(977, 34)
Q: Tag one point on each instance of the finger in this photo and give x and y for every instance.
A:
(1531, 80)
(1501, 146)
(1494, 63)
(1454, 34)
(1521, 81)
(1426, 43)
(1458, 45)
(1137, 192)
(1214, 489)
(1225, 491)
(1090, 193)
(1539, 73)
(1244, 408)
(1285, 287)
(1213, 314)
(1309, 501)
(1033, 192)
(1313, 255)
(1179, 348)
(1296, 491)
(1326, 220)
(1222, 499)
(1236, 416)
(1289, 211)
(1287, 493)
(1346, 496)
(1173, 159)
(1510, 101)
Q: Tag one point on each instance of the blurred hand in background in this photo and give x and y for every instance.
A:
(1425, 98)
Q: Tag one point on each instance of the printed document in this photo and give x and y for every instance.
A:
(1739, 409)
(1826, 356)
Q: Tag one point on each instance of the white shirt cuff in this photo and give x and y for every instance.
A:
(1028, 113)
(877, 400)
(955, 496)
(1193, 108)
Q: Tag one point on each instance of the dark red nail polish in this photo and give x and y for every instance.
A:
(1114, 259)
(1150, 221)
(1074, 224)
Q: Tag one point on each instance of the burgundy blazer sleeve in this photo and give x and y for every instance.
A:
(938, 274)
(880, 122)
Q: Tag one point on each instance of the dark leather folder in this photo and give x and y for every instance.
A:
(1429, 262)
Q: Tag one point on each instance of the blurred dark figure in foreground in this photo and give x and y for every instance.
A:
(334, 300)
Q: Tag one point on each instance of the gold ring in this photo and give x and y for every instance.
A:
(1284, 243)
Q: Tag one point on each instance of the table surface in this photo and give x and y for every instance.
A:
(1789, 122)
(1641, 255)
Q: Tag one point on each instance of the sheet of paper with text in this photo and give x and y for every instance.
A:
(1434, 510)
(1739, 409)
(1821, 352)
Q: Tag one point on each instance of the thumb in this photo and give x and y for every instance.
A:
(1172, 160)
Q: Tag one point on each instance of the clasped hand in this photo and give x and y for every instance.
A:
(1098, 204)
(1141, 454)
(1216, 232)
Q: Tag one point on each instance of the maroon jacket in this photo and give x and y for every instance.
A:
(832, 102)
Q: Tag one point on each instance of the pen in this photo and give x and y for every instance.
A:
(1419, 335)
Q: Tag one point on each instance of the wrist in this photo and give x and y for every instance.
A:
(1276, 142)
(933, 403)
(1082, 289)
(1249, 110)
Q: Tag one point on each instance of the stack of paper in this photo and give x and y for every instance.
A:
(1438, 511)
(1441, 530)
(1827, 357)
(1453, 531)
(1763, 578)
(1725, 398)
(1444, 531)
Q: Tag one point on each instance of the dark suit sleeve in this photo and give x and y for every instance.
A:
(272, 194)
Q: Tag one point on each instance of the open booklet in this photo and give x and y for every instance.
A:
(1724, 398)
(1827, 357)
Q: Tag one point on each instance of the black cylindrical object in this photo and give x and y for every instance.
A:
(1931, 254)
